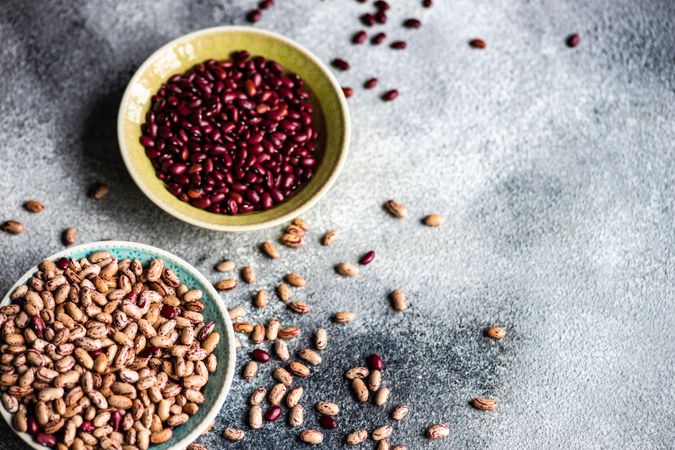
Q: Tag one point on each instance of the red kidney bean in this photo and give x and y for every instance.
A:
(378, 38)
(273, 413)
(375, 362)
(168, 311)
(359, 37)
(477, 43)
(390, 95)
(33, 426)
(381, 17)
(340, 64)
(45, 439)
(573, 40)
(260, 355)
(87, 426)
(367, 258)
(327, 422)
(370, 83)
(347, 91)
(265, 4)
(116, 420)
(398, 45)
(368, 19)
(38, 325)
(412, 23)
(95, 353)
(62, 263)
(150, 352)
(381, 5)
(254, 16)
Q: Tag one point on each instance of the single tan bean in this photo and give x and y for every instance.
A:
(495, 333)
(381, 433)
(270, 250)
(399, 412)
(293, 396)
(225, 266)
(344, 317)
(234, 434)
(484, 404)
(438, 431)
(357, 437)
(433, 220)
(396, 209)
(382, 396)
(360, 390)
(295, 280)
(248, 274)
(327, 408)
(255, 418)
(296, 416)
(321, 339)
(347, 270)
(330, 237)
(312, 437)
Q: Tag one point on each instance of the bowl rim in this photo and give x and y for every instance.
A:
(344, 111)
(211, 291)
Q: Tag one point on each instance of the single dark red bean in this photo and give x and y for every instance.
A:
(477, 43)
(273, 413)
(260, 355)
(33, 426)
(327, 422)
(375, 362)
(359, 37)
(340, 64)
(390, 95)
(254, 16)
(370, 83)
(116, 420)
(427, 3)
(62, 263)
(398, 45)
(168, 311)
(381, 17)
(47, 440)
(150, 352)
(378, 38)
(381, 5)
(347, 91)
(38, 325)
(368, 19)
(265, 4)
(573, 40)
(412, 23)
(87, 426)
(95, 353)
(367, 258)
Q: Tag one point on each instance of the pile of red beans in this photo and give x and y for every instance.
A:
(232, 136)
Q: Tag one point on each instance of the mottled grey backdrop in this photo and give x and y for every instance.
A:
(555, 168)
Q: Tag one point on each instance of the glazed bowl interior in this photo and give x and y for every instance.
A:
(331, 119)
(219, 382)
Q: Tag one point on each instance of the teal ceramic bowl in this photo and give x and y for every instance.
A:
(220, 381)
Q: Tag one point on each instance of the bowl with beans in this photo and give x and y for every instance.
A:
(113, 345)
(233, 128)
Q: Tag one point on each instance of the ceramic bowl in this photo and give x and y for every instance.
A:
(331, 118)
(219, 383)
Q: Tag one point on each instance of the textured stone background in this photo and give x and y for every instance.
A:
(554, 167)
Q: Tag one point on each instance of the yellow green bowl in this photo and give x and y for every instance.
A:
(330, 115)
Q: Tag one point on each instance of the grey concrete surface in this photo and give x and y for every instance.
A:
(555, 168)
